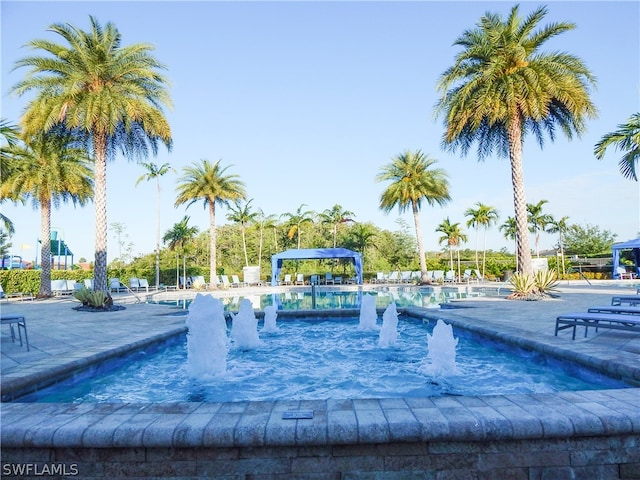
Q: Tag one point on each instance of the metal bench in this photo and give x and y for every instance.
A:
(626, 300)
(613, 321)
(21, 323)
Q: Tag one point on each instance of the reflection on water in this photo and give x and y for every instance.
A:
(328, 298)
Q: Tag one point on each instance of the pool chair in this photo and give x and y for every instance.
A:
(115, 285)
(328, 279)
(632, 300)
(405, 276)
(438, 276)
(381, 277)
(394, 277)
(20, 322)
(199, 283)
(286, 280)
(479, 276)
(314, 280)
(225, 281)
(450, 276)
(622, 274)
(134, 284)
(235, 281)
(613, 321)
(143, 283)
(62, 287)
(300, 279)
(88, 283)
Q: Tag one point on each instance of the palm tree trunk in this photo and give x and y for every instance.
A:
(212, 245)
(523, 251)
(45, 235)
(244, 247)
(260, 246)
(484, 250)
(477, 238)
(100, 202)
(423, 259)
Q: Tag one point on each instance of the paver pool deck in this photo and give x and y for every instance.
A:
(63, 340)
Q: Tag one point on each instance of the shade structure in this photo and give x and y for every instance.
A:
(314, 254)
(616, 248)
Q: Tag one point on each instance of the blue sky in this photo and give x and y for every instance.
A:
(306, 101)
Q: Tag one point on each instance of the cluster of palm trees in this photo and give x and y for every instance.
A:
(91, 97)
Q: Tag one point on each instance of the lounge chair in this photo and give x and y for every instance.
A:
(612, 321)
(450, 276)
(235, 281)
(286, 280)
(632, 300)
(438, 276)
(467, 276)
(614, 309)
(479, 276)
(300, 279)
(405, 276)
(622, 273)
(328, 279)
(416, 276)
(115, 285)
(225, 281)
(88, 283)
(381, 277)
(134, 284)
(62, 287)
(394, 277)
(18, 320)
(143, 283)
(314, 280)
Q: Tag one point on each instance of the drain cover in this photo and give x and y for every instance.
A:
(297, 414)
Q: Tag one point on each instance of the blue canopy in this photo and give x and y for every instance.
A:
(313, 254)
(629, 245)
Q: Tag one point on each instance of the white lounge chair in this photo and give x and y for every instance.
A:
(225, 281)
(622, 273)
(134, 284)
(143, 283)
(235, 281)
(438, 276)
(394, 277)
(450, 276)
(115, 285)
(300, 279)
(62, 287)
(286, 280)
(328, 279)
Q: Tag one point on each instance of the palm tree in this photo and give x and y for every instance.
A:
(360, 238)
(178, 238)
(510, 232)
(49, 169)
(243, 215)
(265, 221)
(296, 220)
(537, 221)
(336, 216)
(413, 181)
(453, 236)
(155, 172)
(10, 135)
(559, 226)
(625, 139)
(503, 86)
(112, 95)
(211, 184)
(484, 216)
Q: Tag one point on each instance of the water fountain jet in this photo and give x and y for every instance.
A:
(207, 341)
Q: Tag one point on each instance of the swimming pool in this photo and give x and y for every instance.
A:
(326, 358)
(328, 298)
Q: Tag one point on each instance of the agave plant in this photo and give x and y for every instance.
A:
(546, 282)
(523, 286)
(89, 298)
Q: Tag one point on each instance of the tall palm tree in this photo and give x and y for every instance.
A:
(484, 216)
(625, 139)
(503, 86)
(538, 221)
(49, 169)
(266, 221)
(336, 216)
(154, 172)
(559, 226)
(178, 237)
(111, 94)
(414, 181)
(296, 220)
(242, 215)
(209, 183)
(453, 236)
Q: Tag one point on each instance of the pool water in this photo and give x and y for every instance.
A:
(325, 359)
(329, 298)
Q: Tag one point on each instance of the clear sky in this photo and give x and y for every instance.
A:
(306, 101)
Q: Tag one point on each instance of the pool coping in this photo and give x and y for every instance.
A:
(339, 422)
